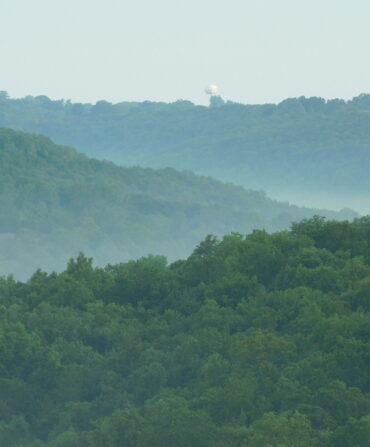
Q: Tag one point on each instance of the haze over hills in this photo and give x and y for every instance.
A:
(56, 202)
(305, 150)
(178, 268)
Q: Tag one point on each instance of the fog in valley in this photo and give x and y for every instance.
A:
(184, 223)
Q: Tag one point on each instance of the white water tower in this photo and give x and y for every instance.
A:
(211, 90)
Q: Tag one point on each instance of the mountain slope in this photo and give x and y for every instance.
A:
(55, 202)
(304, 147)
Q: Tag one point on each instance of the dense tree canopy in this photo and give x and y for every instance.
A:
(55, 202)
(250, 342)
(299, 144)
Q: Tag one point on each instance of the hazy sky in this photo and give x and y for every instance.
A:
(162, 50)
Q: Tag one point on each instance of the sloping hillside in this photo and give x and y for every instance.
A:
(55, 202)
(306, 149)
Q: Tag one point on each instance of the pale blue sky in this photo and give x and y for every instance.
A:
(162, 50)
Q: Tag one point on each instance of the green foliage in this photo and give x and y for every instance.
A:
(170, 422)
(247, 343)
(355, 433)
(302, 144)
(281, 431)
(56, 202)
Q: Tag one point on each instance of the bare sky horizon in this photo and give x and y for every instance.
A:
(256, 51)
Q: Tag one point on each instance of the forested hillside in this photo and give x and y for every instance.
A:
(55, 202)
(308, 149)
(251, 342)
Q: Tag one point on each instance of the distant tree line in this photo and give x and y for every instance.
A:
(297, 144)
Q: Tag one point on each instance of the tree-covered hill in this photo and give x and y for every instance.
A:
(55, 202)
(304, 148)
(250, 342)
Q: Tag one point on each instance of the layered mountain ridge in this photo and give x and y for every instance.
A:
(56, 202)
(306, 150)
